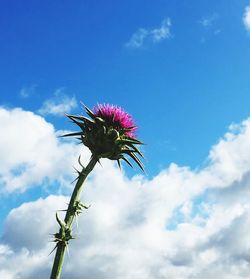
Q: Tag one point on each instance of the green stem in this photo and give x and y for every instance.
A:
(69, 217)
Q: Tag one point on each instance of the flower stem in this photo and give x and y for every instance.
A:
(69, 218)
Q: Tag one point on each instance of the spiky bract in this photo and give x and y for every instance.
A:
(108, 133)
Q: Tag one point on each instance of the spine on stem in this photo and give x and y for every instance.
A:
(74, 208)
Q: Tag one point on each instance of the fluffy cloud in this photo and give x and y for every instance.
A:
(31, 152)
(211, 25)
(27, 255)
(155, 35)
(59, 104)
(208, 21)
(183, 223)
(246, 18)
(27, 91)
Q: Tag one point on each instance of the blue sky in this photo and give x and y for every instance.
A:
(186, 88)
(181, 68)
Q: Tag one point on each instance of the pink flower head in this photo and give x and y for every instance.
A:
(116, 117)
(108, 133)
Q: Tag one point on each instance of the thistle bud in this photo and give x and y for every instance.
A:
(108, 133)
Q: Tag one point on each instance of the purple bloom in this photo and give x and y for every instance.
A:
(116, 117)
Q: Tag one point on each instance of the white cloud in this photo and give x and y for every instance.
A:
(208, 21)
(40, 223)
(59, 104)
(27, 91)
(27, 255)
(155, 35)
(183, 223)
(246, 18)
(137, 38)
(210, 25)
(31, 152)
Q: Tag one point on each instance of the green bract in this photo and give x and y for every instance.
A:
(106, 139)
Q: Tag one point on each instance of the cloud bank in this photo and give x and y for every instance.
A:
(183, 223)
(31, 152)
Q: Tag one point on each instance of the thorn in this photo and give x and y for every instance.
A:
(67, 249)
(79, 161)
(127, 161)
(99, 162)
(77, 171)
(53, 250)
(86, 206)
(75, 179)
(119, 164)
(59, 221)
(76, 215)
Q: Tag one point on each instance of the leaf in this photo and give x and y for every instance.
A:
(59, 221)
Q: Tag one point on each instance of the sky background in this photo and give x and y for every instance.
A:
(181, 69)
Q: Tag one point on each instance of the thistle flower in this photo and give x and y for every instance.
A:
(108, 133)
(117, 118)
